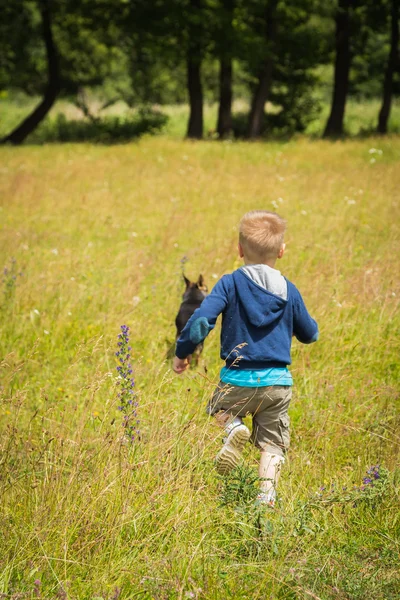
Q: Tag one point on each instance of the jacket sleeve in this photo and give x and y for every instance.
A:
(305, 329)
(203, 320)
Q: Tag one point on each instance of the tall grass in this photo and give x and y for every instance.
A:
(93, 238)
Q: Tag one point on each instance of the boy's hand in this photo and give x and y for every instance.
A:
(180, 364)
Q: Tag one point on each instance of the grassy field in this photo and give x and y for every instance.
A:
(93, 238)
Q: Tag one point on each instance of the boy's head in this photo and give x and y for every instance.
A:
(261, 235)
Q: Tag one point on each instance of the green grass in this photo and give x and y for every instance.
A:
(98, 234)
(360, 120)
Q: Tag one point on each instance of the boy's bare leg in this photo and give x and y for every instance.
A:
(269, 472)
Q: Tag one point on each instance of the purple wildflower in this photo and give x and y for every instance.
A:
(127, 384)
(9, 280)
(374, 471)
(36, 589)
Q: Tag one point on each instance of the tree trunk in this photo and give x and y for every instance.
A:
(53, 86)
(224, 124)
(384, 113)
(265, 75)
(195, 125)
(334, 126)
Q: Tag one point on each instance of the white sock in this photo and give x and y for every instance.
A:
(267, 497)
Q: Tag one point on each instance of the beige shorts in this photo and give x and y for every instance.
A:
(268, 407)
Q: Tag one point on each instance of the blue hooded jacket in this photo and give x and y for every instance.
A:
(257, 325)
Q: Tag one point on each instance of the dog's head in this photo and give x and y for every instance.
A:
(195, 291)
(192, 298)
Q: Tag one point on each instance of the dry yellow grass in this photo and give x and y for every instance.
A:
(99, 234)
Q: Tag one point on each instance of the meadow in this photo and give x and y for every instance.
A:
(96, 237)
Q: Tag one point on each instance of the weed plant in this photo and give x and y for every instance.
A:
(99, 235)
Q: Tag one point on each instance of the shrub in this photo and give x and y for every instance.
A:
(106, 130)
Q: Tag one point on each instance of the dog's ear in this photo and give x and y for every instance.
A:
(187, 281)
(200, 282)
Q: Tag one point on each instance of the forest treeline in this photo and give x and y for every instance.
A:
(170, 51)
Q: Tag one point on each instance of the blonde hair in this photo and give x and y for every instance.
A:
(261, 235)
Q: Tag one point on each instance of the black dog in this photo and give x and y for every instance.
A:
(191, 299)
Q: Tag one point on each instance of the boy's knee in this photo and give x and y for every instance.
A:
(272, 448)
(223, 418)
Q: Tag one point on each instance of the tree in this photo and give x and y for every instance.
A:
(194, 60)
(53, 84)
(282, 43)
(173, 36)
(334, 126)
(264, 79)
(57, 47)
(392, 64)
(225, 52)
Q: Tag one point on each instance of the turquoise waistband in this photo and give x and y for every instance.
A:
(256, 378)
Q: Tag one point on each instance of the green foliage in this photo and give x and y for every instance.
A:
(87, 46)
(239, 488)
(137, 52)
(300, 47)
(283, 121)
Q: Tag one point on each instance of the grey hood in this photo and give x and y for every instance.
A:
(268, 278)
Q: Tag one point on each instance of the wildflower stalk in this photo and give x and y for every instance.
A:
(126, 395)
(10, 275)
(184, 260)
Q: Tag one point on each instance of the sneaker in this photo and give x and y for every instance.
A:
(264, 499)
(231, 452)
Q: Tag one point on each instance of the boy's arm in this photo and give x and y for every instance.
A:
(201, 322)
(305, 329)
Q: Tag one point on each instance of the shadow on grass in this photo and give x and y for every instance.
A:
(107, 130)
(289, 125)
(110, 130)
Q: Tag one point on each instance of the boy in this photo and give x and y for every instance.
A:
(261, 311)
